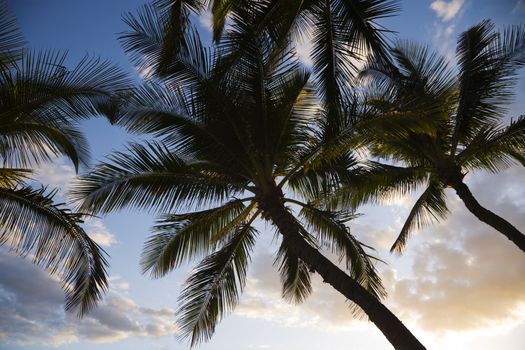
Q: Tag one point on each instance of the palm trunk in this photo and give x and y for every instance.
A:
(393, 329)
(488, 217)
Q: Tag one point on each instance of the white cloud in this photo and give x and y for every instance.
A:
(117, 284)
(31, 312)
(449, 30)
(446, 10)
(379, 238)
(325, 309)
(470, 280)
(206, 21)
(444, 41)
(56, 174)
(457, 279)
(443, 32)
(463, 275)
(99, 232)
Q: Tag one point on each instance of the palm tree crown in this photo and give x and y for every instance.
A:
(229, 143)
(232, 146)
(466, 132)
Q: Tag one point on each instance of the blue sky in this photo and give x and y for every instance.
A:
(469, 293)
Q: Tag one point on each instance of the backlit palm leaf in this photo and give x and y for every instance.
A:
(489, 63)
(429, 207)
(295, 275)
(31, 223)
(146, 175)
(41, 102)
(11, 38)
(213, 288)
(495, 148)
(181, 238)
(332, 232)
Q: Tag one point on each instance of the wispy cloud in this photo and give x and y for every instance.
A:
(447, 10)
(99, 232)
(444, 40)
(459, 277)
(519, 7)
(57, 174)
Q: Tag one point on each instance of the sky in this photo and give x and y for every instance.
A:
(459, 285)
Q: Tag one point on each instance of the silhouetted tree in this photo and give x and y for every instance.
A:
(464, 112)
(236, 146)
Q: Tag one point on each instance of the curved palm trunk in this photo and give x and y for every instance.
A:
(393, 329)
(488, 217)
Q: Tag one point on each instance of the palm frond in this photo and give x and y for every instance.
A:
(183, 237)
(158, 44)
(489, 63)
(418, 75)
(334, 234)
(11, 38)
(41, 102)
(256, 24)
(293, 104)
(295, 275)
(345, 33)
(144, 40)
(494, 148)
(220, 11)
(322, 174)
(409, 101)
(31, 223)
(148, 177)
(184, 124)
(213, 288)
(430, 206)
(334, 56)
(10, 177)
(360, 17)
(33, 142)
(41, 84)
(377, 183)
(174, 15)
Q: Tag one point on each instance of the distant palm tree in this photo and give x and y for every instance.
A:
(40, 105)
(465, 110)
(234, 147)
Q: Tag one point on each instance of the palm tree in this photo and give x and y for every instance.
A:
(467, 134)
(41, 103)
(236, 147)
